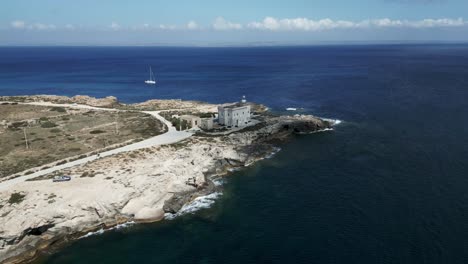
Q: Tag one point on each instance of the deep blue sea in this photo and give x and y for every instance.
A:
(389, 185)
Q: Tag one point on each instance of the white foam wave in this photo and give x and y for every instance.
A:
(291, 109)
(334, 122)
(201, 202)
(102, 230)
(98, 232)
(318, 131)
(273, 153)
(218, 181)
(269, 156)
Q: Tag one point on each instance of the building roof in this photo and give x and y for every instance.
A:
(189, 117)
(236, 105)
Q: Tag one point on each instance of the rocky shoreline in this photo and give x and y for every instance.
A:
(141, 186)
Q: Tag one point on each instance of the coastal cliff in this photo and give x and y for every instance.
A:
(143, 185)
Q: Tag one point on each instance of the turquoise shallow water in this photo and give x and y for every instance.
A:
(387, 186)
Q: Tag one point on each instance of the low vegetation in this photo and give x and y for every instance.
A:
(48, 124)
(97, 131)
(16, 198)
(180, 124)
(58, 109)
(53, 134)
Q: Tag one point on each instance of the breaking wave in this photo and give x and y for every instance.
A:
(201, 202)
(102, 230)
(334, 122)
(274, 152)
(218, 181)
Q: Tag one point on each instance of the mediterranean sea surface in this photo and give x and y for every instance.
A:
(388, 185)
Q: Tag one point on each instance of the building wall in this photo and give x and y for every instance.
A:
(194, 121)
(234, 116)
(221, 114)
(206, 123)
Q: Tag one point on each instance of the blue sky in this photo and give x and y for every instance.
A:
(217, 22)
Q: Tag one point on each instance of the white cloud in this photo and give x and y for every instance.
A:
(114, 26)
(305, 24)
(192, 25)
(167, 27)
(267, 24)
(443, 22)
(221, 24)
(41, 26)
(19, 24)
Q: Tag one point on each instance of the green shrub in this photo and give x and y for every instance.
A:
(205, 115)
(58, 109)
(61, 162)
(97, 131)
(16, 198)
(55, 130)
(48, 124)
(18, 124)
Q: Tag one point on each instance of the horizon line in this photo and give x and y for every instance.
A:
(252, 44)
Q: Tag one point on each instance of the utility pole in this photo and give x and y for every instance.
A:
(117, 124)
(25, 138)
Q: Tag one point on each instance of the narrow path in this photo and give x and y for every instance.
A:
(170, 137)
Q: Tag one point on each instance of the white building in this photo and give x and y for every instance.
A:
(235, 115)
(193, 121)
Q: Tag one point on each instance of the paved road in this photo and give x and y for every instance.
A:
(170, 137)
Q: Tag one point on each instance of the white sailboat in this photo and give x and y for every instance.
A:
(151, 80)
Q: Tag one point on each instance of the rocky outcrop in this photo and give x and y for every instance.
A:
(109, 101)
(252, 145)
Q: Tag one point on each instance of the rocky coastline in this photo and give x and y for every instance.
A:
(140, 186)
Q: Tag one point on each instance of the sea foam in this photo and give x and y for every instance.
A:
(334, 122)
(198, 203)
(102, 230)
